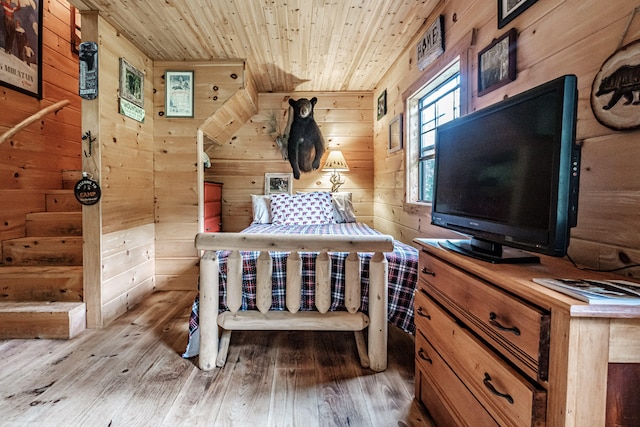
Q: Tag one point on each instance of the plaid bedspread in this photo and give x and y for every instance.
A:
(402, 265)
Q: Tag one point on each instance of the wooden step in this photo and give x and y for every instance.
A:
(61, 201)
(49, 320)
(41, 283)
(43, 251)
(49, 224)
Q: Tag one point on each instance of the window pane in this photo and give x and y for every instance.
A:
(440, 105)
(426, 179)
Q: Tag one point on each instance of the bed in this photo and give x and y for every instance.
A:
(304, 263)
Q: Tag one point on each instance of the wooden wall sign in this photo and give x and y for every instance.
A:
(431, 45)
(615, 93)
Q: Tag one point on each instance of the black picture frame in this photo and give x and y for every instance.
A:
(497, 63)
(21, 59)
(395, 134)
(382, 104)
(508, 10)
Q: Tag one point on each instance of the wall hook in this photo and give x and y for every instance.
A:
(87, 136)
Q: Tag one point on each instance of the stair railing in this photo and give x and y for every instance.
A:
(26, 122)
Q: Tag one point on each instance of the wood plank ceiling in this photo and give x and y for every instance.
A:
(289, 45)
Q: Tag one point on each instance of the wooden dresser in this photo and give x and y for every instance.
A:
(212, 207)
(494, 348)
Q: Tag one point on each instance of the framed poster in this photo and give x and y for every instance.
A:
(509, 9)
(131, 83)
(382, 104)
(497, 63)
(278, 183)
(21, 58)
(395, 134)
(178, 93)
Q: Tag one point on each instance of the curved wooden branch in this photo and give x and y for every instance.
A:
(52, 108)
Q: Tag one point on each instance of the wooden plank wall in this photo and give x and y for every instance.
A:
(554, 37)
(118, 230)
(345, 120)
(175, 167)
(33, 159)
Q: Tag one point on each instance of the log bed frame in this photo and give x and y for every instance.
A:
(214, 347)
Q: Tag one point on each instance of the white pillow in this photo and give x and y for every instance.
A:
(261, 206)
(343, 207)
(302, 209)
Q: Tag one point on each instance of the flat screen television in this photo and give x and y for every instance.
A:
(507, 176)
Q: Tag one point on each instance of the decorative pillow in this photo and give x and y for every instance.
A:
(261, 206)
(302, 209)
(343, 207)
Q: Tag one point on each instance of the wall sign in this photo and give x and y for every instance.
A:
(431, 45)
(87, 191)
(88, 81)
(615, 93)
(131, 91)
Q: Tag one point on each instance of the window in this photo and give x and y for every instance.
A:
(434, 104)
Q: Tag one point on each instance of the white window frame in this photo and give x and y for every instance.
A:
(413, 125)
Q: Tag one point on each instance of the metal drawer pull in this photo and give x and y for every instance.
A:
(494, 322)
(423, 355)
(429, 272)
(423, 313)
(492, 389)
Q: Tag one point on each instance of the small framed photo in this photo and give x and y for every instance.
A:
(395, 134)
(509, 9)
(178, 93)
(382, 104)
(278, 183)
(497, 63)
(131, 84)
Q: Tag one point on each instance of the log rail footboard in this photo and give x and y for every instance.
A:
(214, 346)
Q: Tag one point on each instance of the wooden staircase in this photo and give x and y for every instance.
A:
(41, 273)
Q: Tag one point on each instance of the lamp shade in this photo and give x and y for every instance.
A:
(336, 162)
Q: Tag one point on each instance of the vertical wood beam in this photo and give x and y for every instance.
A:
(92, 215)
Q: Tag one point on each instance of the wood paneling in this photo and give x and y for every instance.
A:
(119, 229)
(32, 160)
(610, 181)
(175, 167)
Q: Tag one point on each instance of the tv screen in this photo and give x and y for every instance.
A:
(508, 175)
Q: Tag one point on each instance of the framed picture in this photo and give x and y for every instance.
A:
(278, 183)
(509, 9)
(395, 134)
(131, 84)
(382, 104)
(178, 93)
(497, 63)
(21, 57)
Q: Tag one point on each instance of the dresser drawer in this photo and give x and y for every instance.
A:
(449, 402)
(507, 322)
(212, 192)
(507, 395)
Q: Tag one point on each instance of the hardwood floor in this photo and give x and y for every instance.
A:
(131, 374)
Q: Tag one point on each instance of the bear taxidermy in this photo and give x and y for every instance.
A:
(306, 145)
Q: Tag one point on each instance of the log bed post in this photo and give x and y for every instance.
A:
(378, 308)
(209, 289)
